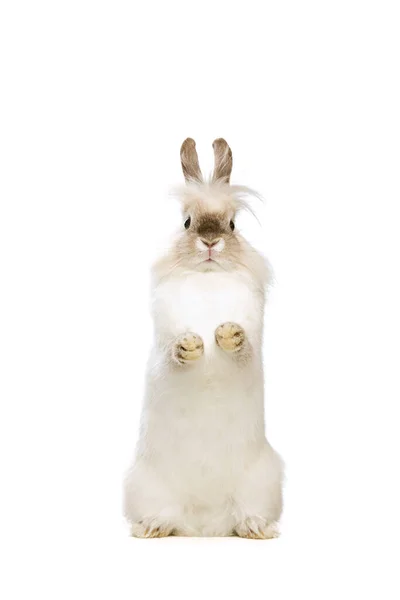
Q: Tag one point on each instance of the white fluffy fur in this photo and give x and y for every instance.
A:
(203, 466)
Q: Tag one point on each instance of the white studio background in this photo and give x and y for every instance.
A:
(96, 98)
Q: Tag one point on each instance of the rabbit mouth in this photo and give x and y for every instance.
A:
(210, 263)
(207, 262)
(208, 258)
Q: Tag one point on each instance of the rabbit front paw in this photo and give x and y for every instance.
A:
(230, 337)
(187, 348)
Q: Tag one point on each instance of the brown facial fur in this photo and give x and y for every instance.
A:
(209, 225)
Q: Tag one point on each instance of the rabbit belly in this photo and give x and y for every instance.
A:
(209, 412)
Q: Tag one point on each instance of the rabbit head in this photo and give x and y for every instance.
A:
(208, 239)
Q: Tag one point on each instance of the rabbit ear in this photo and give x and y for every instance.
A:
(223, 161)
(190, 161)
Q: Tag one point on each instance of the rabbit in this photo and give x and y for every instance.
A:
(203, 466)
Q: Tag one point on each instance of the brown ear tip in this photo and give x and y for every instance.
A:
(219, 142)
(189, 142)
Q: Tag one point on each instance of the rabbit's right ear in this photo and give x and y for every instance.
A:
(223, 161)
(190, 161)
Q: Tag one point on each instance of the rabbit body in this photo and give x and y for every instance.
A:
(203, 466)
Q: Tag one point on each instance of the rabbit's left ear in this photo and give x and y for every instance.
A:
(223, 161)
(190, 161)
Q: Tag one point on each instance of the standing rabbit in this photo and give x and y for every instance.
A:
(203, 466)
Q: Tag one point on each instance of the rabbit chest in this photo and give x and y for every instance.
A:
(200, 302)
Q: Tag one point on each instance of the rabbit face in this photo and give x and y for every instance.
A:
(208, 240)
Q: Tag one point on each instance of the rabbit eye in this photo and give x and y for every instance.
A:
(232, 225)
(187, 223)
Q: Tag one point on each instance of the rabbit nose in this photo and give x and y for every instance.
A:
(209, 243)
